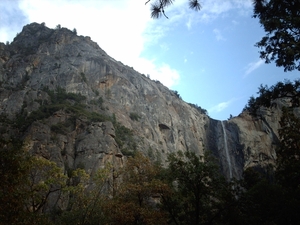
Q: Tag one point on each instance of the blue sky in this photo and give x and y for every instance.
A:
(209, 56)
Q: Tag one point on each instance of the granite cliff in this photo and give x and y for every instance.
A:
(74, 104)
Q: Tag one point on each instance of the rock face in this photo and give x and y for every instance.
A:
(119, 110)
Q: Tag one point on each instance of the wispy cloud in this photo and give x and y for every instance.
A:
(189, 23)
(234, 22)
(221, 106)
(212, 9)
(253, 66)
(219, 35)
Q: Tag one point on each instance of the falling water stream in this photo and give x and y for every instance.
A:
(226, 150)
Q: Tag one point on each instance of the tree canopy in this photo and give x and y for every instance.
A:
(281, 22)
(200, 194)
(267, 95)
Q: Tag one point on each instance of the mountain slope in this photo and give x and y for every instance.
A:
(72, 103)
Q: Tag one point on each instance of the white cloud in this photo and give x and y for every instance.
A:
(113, 25)
(253, 66)
(219, 107)
(121, 28)
(219, 35)
(162, 72)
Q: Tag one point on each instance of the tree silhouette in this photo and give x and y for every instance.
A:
(159, 6)
(281, 21)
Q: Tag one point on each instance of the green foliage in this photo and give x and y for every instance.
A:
(99, 101)
(280, 194)
(13, 171)
(26, 184)
(45, 177)
(108, 93)
(280, 20)
(200, 192)
(86, 207)
(134, 116)
(124, 137)
(267, 95)
(59, 100)
(59, 128)
(133, 200)
(96, 92)
(201, 110)
(261, 203)
(288, 153)
(83, 77)
(59, 96)
(177, 94)
(128, 152)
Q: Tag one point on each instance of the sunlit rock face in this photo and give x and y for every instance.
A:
(40, 60)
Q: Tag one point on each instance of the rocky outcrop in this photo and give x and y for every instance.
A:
(153, 118)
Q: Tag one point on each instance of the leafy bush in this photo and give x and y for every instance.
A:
(60, 95)
(177, 94)
(64, 127)
(201, 110)
(134, 116)
(83, 77)
(97, 102)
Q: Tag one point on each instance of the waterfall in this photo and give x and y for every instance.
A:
(226, 150)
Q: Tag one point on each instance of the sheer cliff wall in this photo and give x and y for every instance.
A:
(40, 60)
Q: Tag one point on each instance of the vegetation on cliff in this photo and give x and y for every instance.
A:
(190, 190)
(266, 95)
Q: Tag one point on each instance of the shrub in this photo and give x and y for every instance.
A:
(83, 77)
(134, 116)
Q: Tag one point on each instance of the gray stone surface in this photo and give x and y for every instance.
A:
(40, 57)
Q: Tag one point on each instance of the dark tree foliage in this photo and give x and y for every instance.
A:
(199, 108)
(288, 164)
(158, 7)
(201, 195)
(281, 22)
(12, 174)
(15, 166)
(273, 196)
(280, 90)
(289, 151)
(261, 202)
